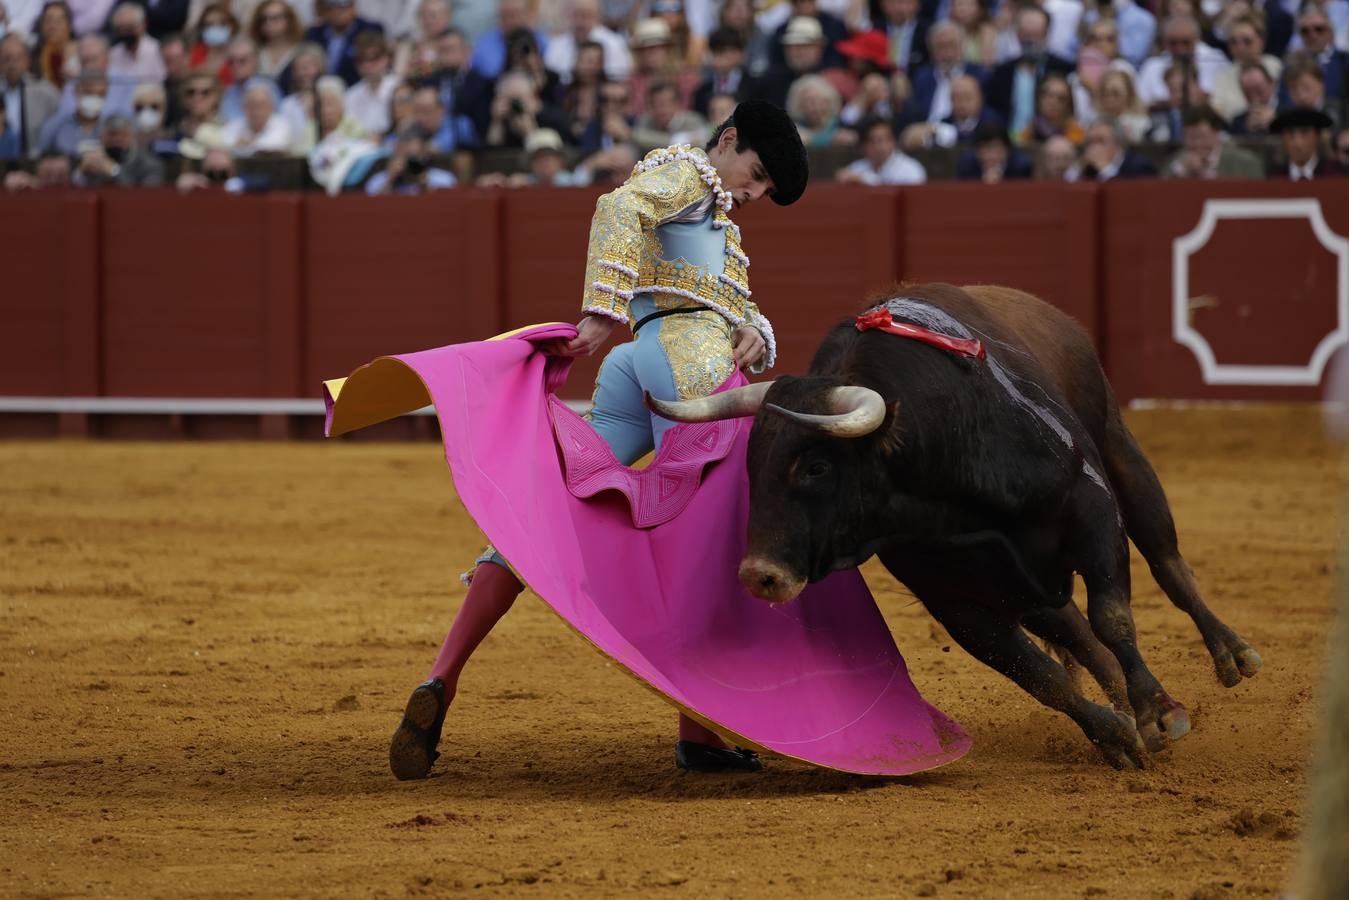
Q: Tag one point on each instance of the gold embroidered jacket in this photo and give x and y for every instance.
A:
(624, 257)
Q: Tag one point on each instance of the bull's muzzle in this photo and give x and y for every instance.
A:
(769, 580)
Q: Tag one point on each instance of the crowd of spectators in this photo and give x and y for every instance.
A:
(407, 96)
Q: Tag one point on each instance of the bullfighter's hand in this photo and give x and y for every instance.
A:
(749, 347)
(591, 334)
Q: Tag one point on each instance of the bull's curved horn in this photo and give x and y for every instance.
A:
(741, 401)
(858, 411)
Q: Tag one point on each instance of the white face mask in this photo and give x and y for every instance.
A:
(215, 35)
(149, 119)
(90, 105)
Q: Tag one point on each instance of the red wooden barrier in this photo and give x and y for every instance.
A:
(1041, 238)
(1224, 290)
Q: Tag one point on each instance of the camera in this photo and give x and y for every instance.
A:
(415, 166)
(517, 107)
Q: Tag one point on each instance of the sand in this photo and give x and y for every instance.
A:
(204, 648)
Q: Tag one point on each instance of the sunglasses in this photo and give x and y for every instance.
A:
(154, 106)
(1313, 29)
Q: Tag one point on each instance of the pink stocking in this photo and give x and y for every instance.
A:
(491, 592)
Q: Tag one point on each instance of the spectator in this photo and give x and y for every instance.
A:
(523, 55)
(1058, 160)
(803, 47)
(368, 99)
(1135, 26)
(64, 133)
(1340, 146)
(30, 103)
(1012, 86)
(174, 51)
(1117, 100)
(832, 29)
(867, 53)
(300, 79)
(719, 109)
(967, 114)
(581, 96)
(462, 91)
(415, 56)
(490, 49)
(992, 160)
(931, 100)
(872, 98)
(165, 17)
(1246, 42)
(517, 110)
(1318, 40)
(651, 46)
(116, 159)
(92, 51)
(400, 112)
(666, 122)
(1180, 37)
(547, 163)
(1207, 154)
(337, 34)
(11, 148)
(90, 15)
(613, 124)
(1106, 154)
(980, 36)
(243, 63)
(563, 48)
(881, 162)
(727, 73)
(54, 57)
(906, 32)
(259, 130)
(686, 48)
(1168, 122)
(1275, 22)
(1099, 55)
(216, 27)
(1301, 131)
(53, 172)
(409, 170)
(217, 173)
(134, 55)
(814, 105)
(1258, 96)
(275, 31)
(1053, 113)
(738, 16)
(1305, 84)
(200, 98)
(341, 154)
(149, 104)
(444, 132)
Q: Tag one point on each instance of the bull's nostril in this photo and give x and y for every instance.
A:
(767, 581)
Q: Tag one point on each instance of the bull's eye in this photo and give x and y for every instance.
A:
(818, 469)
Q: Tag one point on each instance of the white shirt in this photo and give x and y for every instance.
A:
(1303, 173)
(898, 169)
(275, 136)
(144, 65)
(1152, 76)
(370, 106)
(560, 56)
(1064, 17)
(90, 15)
(23, 15)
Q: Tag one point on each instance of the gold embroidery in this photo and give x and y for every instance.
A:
(698, 348)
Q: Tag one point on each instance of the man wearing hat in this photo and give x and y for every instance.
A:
(1301, 129)
(666, 260)
(803, 46)
(654, 62)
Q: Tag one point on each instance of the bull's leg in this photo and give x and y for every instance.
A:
(1104, 566)
(1001, 645)
(1147, 517)
(1068, 628)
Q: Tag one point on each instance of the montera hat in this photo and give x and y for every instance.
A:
(1300, 117)
(769, 131)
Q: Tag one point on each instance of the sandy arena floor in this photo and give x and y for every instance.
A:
(204, 648)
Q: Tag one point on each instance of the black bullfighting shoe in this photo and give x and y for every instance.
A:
(694, 757)
(412, 750)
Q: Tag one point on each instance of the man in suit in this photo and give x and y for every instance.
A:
(1257, 87)
(337, 33)
(831, 26)
(1106, 155)
(968, 113)
(906, 31)
(1012, 87)
(1318, 39)
(1207, 155)
(993, 160)
(29, 101)
(728, 74)
(1301, 130)
(931, 98)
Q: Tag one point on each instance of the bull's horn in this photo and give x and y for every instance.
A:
(858, 411)
(741, 401)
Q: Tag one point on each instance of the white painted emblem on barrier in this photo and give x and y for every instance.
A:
(1215, 372)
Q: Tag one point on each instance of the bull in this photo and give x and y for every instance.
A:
(983, 482)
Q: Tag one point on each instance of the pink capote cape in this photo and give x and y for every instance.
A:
(643, 562)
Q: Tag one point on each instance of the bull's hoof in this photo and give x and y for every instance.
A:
(1118, 740)
(1248, 661)
(1234, 659)
(1175, 720)
(412, 749)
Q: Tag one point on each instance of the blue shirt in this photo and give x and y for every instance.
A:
(436, 179)
(489, 53)
(455, 132)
